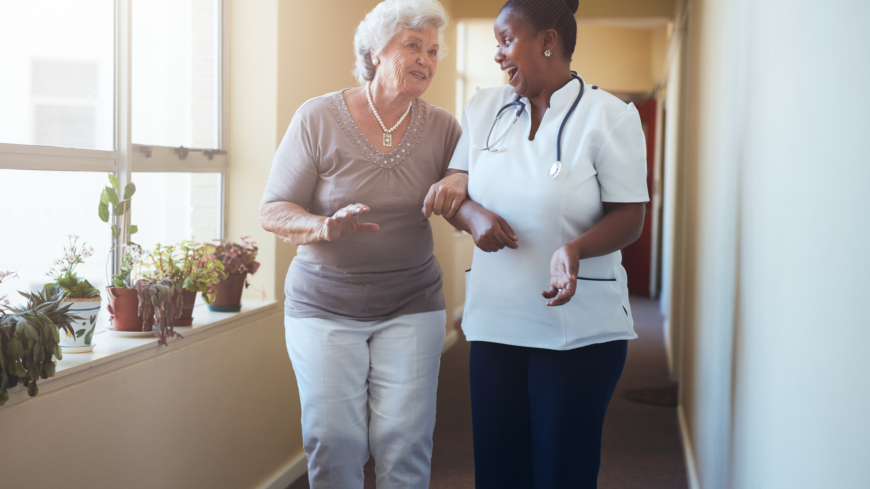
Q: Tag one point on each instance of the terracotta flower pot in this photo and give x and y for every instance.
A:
(124, 310)
(228, 294)
(188, 298)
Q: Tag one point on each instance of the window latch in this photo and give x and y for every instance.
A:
(146, 150)
(211, 152)
(182, 152)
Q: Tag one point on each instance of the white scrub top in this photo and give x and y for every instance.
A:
(603, 160)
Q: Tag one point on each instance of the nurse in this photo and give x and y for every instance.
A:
(555, 189)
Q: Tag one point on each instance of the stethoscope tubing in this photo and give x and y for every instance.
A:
(522, 107)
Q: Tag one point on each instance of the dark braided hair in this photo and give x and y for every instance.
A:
(550, 14)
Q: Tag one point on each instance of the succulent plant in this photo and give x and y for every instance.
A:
(156, 305)
(29, 337)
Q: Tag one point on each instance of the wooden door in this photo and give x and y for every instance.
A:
(637, 257)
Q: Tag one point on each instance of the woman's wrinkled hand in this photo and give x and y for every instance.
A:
(446, 195)
(491, 232)
(345, 222)
(564, 266)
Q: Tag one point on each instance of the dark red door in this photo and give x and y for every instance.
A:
(637, 257)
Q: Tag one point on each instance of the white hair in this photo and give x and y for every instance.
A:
(385, 20)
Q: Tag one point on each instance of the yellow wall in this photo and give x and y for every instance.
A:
(253, 109)
(618, 59)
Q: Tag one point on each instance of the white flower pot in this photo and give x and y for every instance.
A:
(84, 328)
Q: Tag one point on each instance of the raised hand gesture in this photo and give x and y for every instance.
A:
(345, 222)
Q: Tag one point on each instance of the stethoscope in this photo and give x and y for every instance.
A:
(520, 108)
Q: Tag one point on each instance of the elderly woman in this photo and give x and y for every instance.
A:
(365, 316)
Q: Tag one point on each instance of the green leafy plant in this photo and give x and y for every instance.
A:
(30, 336)
(156, 305)
(118, 209)
(238, 258)
(192, 265)
(65, 276)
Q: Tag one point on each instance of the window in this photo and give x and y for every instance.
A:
(67, 118)
(176, 73)
(475, 41)
(57, 60)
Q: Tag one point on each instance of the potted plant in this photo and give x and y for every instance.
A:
(193, 266)
(123, 297)
(30, 338)
(238, 260)
(85, 299)
(159, 304)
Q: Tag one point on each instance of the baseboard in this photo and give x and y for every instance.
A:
(286, 475)
(688, 451)
(450, 340)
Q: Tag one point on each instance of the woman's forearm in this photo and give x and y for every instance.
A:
(620, 227)
(291, 223)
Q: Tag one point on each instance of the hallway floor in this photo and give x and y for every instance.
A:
(641, 445)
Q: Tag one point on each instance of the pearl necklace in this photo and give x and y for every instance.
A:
(388, 136)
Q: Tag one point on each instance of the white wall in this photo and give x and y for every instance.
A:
(770, 240)
(801, 390)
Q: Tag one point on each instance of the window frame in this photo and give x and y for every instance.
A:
(128, 157)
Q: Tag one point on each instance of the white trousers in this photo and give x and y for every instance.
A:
(390, 366)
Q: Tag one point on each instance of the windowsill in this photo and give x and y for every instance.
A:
(115, 352)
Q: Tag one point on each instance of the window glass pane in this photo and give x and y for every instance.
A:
(39, 209)
(170, 207)
(57, 73)
(175, 73)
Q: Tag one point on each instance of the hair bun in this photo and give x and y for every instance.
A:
(572, 5)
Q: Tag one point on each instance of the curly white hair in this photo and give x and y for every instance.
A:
(388, 18)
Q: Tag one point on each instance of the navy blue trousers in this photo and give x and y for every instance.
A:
(537, 414)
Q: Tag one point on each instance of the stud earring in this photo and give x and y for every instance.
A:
(547, 53)
(376, 61)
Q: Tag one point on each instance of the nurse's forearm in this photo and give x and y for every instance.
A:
(620, 227)
(490, 232)
(292, 223)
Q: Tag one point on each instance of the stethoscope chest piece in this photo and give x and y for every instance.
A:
(555, 169)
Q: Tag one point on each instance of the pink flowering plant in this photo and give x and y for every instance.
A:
(64, 274)
(238, 258)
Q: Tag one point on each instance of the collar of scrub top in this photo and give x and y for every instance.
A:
(520, 107)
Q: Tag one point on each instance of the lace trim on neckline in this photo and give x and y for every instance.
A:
(394, 158)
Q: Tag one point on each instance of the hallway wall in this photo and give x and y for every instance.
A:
(770, 244)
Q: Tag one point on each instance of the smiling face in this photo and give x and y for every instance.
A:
(520, 52)
(408, 63)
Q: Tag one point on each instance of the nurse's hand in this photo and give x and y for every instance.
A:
(446, 196)
(345, 222)
(564, 266)
(491, 232)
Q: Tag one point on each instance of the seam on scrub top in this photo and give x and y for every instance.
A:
(562, 240)
(607, 135)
